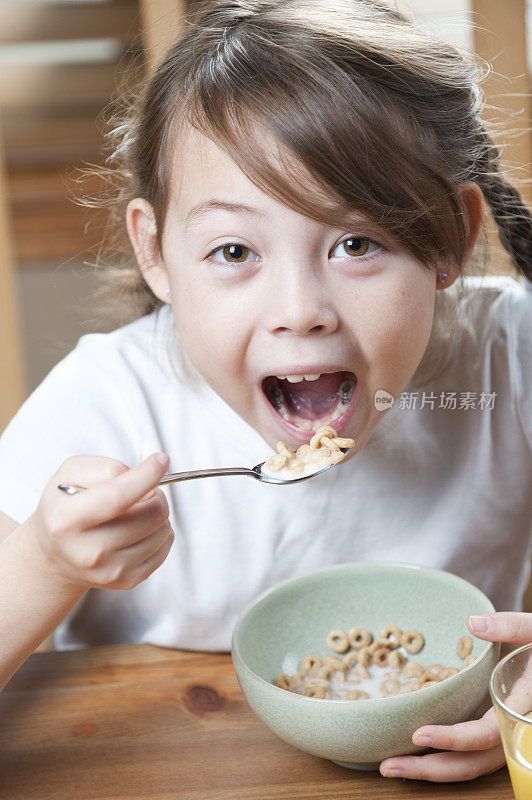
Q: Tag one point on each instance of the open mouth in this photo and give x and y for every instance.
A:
(306, 402)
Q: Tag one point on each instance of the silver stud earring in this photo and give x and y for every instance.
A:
(168, 292)
(442, 277)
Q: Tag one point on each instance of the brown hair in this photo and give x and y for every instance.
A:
(383, 117)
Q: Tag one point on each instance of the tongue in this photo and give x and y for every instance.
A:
(313, 399)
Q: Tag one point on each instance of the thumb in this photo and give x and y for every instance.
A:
(503, 626)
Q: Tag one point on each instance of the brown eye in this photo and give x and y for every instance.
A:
(356, 247)
(235, 252)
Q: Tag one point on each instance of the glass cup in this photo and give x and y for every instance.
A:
(511, 692)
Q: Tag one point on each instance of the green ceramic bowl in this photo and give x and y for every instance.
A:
(292, 620)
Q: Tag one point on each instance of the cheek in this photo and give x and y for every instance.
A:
(407, 339)
(210, 331)
(395, 334)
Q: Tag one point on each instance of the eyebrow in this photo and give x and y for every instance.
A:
(206, 206)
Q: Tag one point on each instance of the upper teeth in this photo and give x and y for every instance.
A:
(298, 378)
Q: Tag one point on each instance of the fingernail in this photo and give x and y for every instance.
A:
(163, 459)
(392, 773)
(424, 741)
(480, 623)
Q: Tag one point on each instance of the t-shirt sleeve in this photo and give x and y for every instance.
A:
(520, 343)
(78, 409)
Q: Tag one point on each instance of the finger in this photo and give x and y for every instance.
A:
(142, 551)
(138, 522)
(110, 499)
(102, 566)
(88, 471)
(443, 767)
(152, 563)
(503, 626)
(478, 734)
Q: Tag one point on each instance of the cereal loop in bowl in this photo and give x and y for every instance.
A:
(315, 691)
(390, 686)
(434, 670)
(391, 634)
(412, 641)
(309, 662)
(351, 659)
(359, 637)
(285, 682)
(365, 657)
(362, 672)
(396, 660)
(410, 686)
(335, 662)
(448, 672)
(357, 694)
(325, 672)
(464, 646)
(412, 670)
(337, 640)
(380, 657)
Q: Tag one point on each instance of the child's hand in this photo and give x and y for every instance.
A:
(110, 535)
(473, 748)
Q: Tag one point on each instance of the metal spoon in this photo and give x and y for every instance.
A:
(254, 472)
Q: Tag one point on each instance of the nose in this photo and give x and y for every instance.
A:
(301, 306)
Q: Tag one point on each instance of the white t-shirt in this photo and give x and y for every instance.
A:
(435, 486)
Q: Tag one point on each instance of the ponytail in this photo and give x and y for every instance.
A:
(514, 221)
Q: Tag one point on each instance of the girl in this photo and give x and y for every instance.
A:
(303, 183)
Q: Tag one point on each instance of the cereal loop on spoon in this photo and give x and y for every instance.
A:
(324, 450)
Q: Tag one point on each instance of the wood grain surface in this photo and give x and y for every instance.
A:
(139, 722)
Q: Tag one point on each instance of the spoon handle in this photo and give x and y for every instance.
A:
(174, 477)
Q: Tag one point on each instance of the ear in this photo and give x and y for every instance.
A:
(473, 200)
(142, 231)
(474, 206)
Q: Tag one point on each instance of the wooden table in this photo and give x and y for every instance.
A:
(145, 723)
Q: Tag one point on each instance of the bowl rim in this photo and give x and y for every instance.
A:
(344, 566)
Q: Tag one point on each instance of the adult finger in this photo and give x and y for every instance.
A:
(443, 767)
(113, 497)
(502, 626)
(478, 734)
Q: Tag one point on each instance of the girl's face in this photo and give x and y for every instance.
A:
(266, 300)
